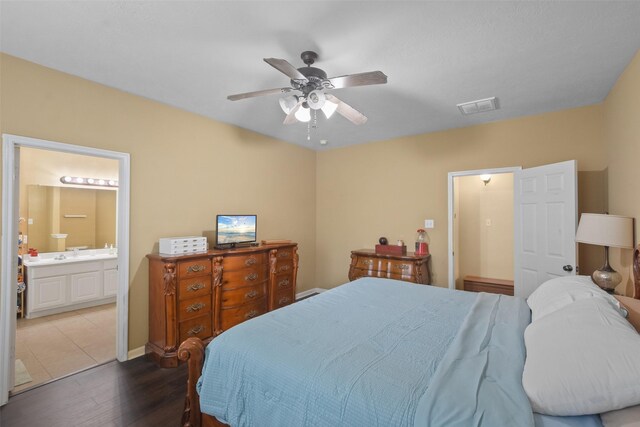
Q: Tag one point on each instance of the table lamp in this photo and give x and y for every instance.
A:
(608, 231)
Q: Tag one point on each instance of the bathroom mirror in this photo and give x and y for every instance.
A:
(64, 218)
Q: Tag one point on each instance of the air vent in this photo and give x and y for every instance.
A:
(479, 106)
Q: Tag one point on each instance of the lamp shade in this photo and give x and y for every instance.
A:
(605, 230)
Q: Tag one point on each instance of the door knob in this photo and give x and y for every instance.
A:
(567, 268)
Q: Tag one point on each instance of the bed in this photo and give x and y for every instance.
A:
(381, 352)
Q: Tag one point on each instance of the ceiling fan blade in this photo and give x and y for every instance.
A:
(259, 93)
(347, 111)
(291, 117)
(285, 67)
(360, 79)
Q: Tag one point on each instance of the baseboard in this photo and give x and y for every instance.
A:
(309, 292)
(136, 352)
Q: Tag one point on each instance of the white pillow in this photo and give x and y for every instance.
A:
(556, 293)
(582, 360)
(627, 417)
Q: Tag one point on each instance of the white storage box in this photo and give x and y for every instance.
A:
(182, 245)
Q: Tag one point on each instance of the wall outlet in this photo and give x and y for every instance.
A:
(429, 223)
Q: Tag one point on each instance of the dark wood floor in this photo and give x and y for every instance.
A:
(133, 393)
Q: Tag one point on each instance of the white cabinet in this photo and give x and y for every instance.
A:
(48, 292)
(110, 280)
(70, 285)
(85, 286)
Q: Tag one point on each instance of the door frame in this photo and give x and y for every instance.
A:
(450, 205)
(8, 291)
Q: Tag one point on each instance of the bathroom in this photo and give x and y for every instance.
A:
(67, 274)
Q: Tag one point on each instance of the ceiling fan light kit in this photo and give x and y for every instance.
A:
(313, 85)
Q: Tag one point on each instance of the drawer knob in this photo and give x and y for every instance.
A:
(195, 268)
(195, 287)
(251, 314)
(283, 283)
(195, 307)
(250, 261)
(250, 277)
(196, 330)
(367, 262)
(403, 267)
(284, 300)
(284, 254)
(284, 268)
(251, 294)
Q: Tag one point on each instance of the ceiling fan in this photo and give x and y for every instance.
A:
(312, 86)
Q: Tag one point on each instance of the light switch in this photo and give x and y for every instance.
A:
(429, 223)
(30, 221)
(488, 222)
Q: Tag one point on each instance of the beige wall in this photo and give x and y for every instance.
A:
(622, 138)
(346, 197)
(185, 168)
(388, 188)
(592, 198)
(485, 221)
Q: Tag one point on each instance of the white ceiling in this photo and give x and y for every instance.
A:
(534, 56)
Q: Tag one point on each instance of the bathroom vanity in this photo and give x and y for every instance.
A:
(63, 281)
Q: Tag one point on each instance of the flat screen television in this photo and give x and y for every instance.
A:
(232, 230)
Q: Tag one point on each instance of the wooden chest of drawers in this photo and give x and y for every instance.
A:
(410, 267)
(202, 295)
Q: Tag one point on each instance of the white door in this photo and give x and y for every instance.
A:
(545, 218)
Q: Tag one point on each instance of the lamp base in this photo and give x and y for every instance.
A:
(606, 278)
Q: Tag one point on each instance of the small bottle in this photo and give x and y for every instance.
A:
(422, 247)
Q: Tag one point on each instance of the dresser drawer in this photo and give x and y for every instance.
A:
(234, 316)
(239, 262)
(197, 327)
(194, 307)
(194, 287)
(200, 267)
(245, 277)
(282, 298)
(284, 266)
(285, 253)
(244, 295)
(399, 268)
(369, 263)
(283, 281)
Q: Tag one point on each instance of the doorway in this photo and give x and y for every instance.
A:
(83, 288)
(481, 225)
(545, 220)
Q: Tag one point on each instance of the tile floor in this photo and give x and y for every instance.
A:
(54, 346)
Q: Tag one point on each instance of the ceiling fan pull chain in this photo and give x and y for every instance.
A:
(309, 130)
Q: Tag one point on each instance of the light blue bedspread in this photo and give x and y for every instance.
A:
(373, 352)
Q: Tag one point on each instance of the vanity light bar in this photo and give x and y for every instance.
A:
(96, 182)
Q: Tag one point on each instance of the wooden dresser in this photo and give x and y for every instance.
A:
(202, 295)
(410, 267)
